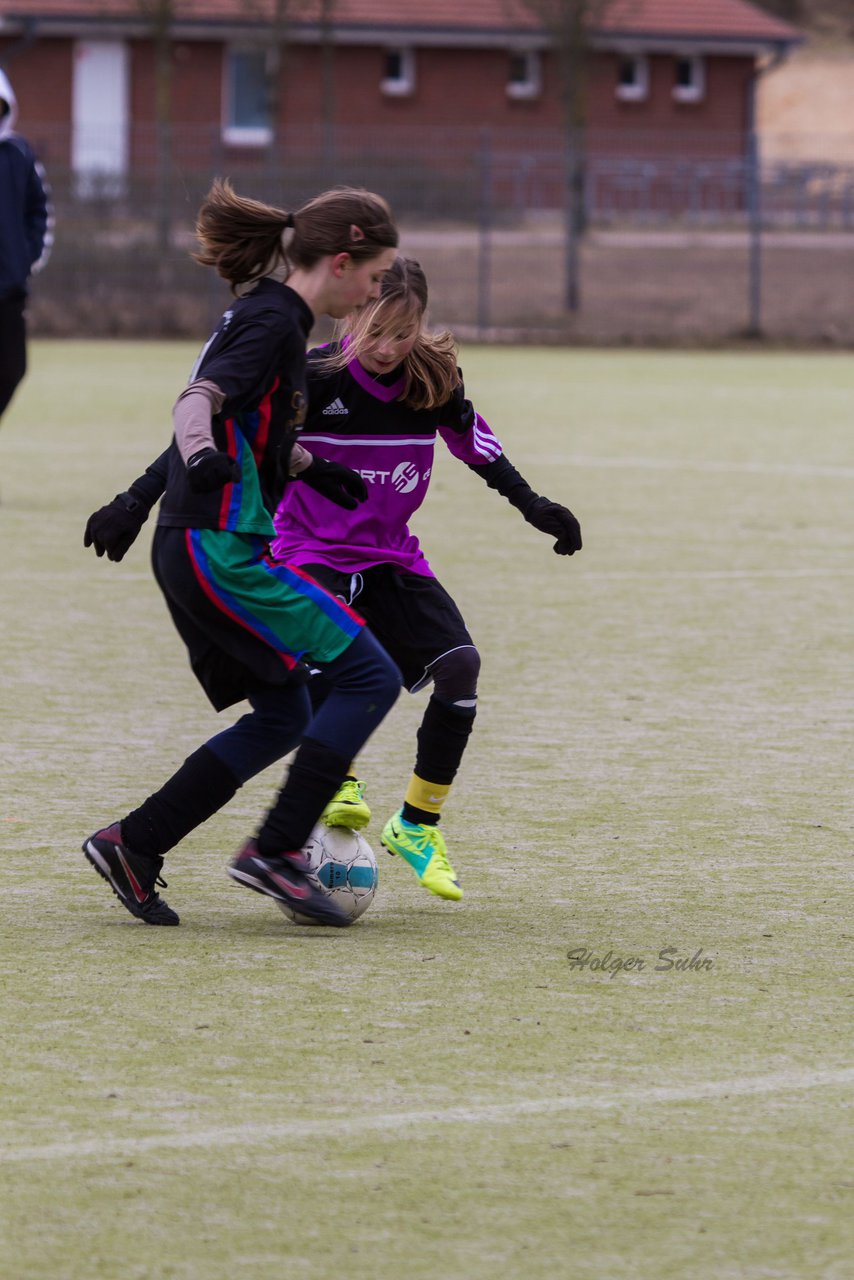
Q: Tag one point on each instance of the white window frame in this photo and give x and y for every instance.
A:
(696, 90)
(402, 86)
(237, 135)
(100, 116)
(639, 91)
(532, 84)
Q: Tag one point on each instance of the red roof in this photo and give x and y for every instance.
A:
(711, 19)
(691, 19)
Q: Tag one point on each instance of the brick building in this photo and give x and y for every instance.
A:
(96, 80)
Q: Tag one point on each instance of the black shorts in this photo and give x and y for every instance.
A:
(248, 622)
(413, 617)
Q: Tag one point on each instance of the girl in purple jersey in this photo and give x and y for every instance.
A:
(377, 401)
(251, 623)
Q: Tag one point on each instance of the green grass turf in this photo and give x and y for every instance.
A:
(662, 759)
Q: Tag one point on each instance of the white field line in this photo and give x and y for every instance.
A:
(247, 1135)
(749, 575)
(688, 464)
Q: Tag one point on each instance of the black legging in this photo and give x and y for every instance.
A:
(448, 717)
(13, 348)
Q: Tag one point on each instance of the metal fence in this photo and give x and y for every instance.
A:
(706, 243)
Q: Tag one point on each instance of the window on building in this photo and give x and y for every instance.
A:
(689, 79)
(525, 78)
(398, 73)
(247, 120)
(633, 78)
(100, 97)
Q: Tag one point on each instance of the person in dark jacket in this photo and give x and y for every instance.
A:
(25, 239)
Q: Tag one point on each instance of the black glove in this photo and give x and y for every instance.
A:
(114, 528)
(551, 517)
(339, 484)
(208, 470)
(548, 517)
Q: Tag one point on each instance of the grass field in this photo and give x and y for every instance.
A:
(662, 760)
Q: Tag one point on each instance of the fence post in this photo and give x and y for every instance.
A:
(754, 217)
(484, 243)
(574, 217)
(163, 186)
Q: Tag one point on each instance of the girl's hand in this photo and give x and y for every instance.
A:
(339, 484)
(551, 517)
(113, 529)
(209, 470)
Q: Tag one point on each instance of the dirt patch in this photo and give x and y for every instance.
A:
(635, 287)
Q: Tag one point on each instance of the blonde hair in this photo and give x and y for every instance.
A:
(430, 369)
(245, 239)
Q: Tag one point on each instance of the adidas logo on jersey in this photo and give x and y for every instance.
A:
(335, 408)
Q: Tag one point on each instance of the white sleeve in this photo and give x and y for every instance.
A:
(192, 414)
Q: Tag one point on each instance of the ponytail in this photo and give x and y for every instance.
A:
(244, 239)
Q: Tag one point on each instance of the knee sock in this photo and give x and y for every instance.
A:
(364, 683)
(315, 775)
(201, 787)
(442, 739)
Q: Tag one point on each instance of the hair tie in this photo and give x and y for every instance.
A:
(289, 221)
(356, 234)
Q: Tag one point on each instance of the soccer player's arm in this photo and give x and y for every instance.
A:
(208, 468)
(470, 438)
(113, 529)
(38, 217)
(547, 516)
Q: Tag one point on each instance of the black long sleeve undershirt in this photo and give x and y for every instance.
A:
(151, 485)
(503, 477)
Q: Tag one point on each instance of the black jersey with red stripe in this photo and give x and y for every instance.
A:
(257, 356)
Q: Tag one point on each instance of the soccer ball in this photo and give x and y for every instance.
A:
(344, 867)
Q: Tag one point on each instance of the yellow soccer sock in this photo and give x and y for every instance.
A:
(424, 800)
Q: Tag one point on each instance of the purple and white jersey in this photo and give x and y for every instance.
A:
(357, 420)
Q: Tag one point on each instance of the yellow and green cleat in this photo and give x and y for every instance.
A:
(348, 807)
(424, 849)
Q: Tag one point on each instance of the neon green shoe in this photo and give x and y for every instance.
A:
(424, 849)
(347, 808)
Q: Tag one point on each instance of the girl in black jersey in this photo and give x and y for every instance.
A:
(377, 401)
(251, 624)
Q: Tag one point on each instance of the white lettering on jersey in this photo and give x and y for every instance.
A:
(405, 477)
(221, 328)
(336, 408)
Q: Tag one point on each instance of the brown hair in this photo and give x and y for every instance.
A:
(245, 239)
(430, 370)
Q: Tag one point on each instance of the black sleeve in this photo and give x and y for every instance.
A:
(151, 485)
(549, 517)
(458, 413)
(38, 216)
(503, 477)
